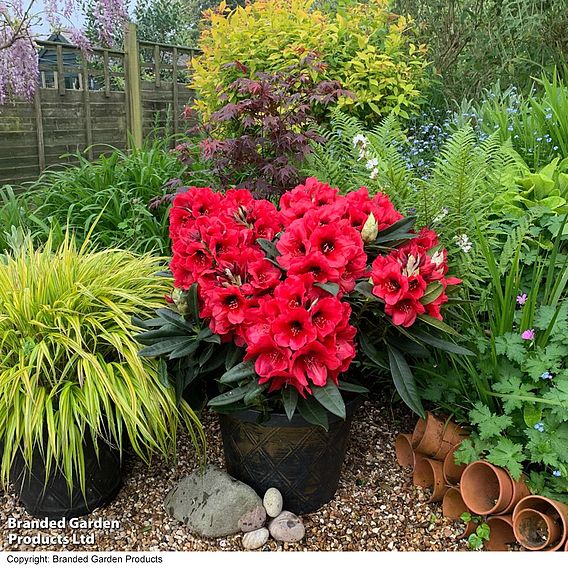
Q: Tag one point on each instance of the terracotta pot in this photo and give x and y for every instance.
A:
(555, 510)
(485, 488)
(427, 434)
(520, 490)
(453, 507)
(452, 471)
(501, 533)
(535, 530)
(428, 473)
(435, 437)
(404, 451)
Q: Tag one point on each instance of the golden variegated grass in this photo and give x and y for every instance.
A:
(69, 364)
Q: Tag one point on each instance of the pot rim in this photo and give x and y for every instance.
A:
(280, 419)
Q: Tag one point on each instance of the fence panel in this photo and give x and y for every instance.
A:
(85, 105)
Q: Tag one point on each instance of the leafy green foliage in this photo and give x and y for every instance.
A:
(114, 192)
(472, 44)
(69, 361)
(481, 535)
(370, 51)
(522, 359)
(536, 124)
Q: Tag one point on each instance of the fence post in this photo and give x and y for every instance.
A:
(133, 74)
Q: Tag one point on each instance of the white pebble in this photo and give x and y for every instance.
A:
(273, 502)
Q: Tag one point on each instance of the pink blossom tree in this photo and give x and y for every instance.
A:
(18, 55)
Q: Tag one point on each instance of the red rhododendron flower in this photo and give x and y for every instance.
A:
(405, 311)
(271, 359)
(297, 333)
(314, 361)
(294, 329)
(389, 283)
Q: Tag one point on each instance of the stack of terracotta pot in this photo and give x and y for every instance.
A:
(512, 513)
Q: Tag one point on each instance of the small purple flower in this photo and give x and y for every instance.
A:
(546, 375)
(557, 473)
(539, 426)
(528, 334)
(521, 299)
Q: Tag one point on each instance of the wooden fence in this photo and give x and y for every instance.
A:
(89, 104)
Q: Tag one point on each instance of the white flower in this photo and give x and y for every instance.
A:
(463, 242)
(374, 173)
(360, 140)
(441, 215)
(372, 163)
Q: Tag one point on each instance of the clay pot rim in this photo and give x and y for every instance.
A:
(547, 520)
(494, 511)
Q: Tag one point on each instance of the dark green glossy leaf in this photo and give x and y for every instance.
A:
(163, 347)
(268, 247)
(290, 401)
(229, 397)
(404, 380)
(366, 289)
(370, 351)
(238, 372)
(438, 324)
(432, 292)
(330, 398)
(192, 302)
(233, 355)
(254, 390)
(440, 343)
(188, 348)
(352, 387)
(330, 287)
(313, 412)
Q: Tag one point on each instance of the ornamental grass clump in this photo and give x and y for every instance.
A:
(69, 364)
(272, 301)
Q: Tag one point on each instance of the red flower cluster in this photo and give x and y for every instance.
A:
(296, 332)
(402, 277)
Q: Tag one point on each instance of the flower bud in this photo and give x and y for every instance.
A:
(179, 298)
(370, 229)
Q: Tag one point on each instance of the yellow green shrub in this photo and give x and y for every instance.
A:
(367, 48)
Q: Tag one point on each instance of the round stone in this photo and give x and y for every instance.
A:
(273, 502)
(253, 520)
(255, 539)
(287, 527)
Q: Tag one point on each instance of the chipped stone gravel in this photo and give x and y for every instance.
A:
(376, 507)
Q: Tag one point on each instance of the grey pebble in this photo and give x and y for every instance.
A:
(287, 527)
(253, 520)
(255, 539)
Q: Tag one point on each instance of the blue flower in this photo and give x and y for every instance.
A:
(539, 426)
(557, 473)
(548, 116)
(546, 375)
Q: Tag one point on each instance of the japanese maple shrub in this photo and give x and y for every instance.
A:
(259, 138)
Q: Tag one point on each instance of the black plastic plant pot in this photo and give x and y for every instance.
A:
(302, 460)
(53, 499)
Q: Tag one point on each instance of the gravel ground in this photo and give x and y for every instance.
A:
(376, 506)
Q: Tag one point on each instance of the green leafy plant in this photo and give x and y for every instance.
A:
(115, 190)
(472, 44)
(369, 50)
(70, 364)
(535, 123)
(465, 177)
(547, 188)
(522, 345)
(476, 540)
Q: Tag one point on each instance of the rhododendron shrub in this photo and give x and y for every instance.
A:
(283, 292)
